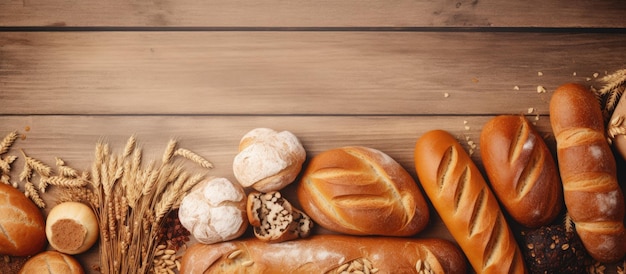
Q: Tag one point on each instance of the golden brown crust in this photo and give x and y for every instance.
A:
(353, 190)
(324, 254)
(52, 262)
(592, 194)
(22, 228)
(521, 170)
(466, 205)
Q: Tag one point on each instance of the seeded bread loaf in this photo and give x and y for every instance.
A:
(521, 170)
(22, 226)
(326, 254)
(52, 262)
(588, 170)
(362, 191)
(466, 205)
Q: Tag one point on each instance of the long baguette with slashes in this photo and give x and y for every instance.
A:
(592, 195)
(466, 205)
(326, 254)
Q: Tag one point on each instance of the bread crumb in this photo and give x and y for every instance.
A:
(574, 74)
(531, 110)
(516, 88)
(465, 122)
(539, 73)
(595, 75)
(541, 89)
(588, 78)
(446, 95)
(467, 127)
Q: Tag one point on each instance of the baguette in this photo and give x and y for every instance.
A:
(592, 194)
(465, 204)
(521, 170)
(326, 254)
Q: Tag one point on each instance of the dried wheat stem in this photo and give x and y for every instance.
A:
(64, 181)
(31, 192)
(7, 142)
(190, 155)
(169, 151)
(38, 166)
(131, 144)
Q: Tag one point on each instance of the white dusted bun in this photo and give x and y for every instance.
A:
(268, 160)
(214, 211)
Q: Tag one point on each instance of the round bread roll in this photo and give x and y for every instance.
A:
(52, 262)
(22, 228)
(214, 211)
(72, 227)
(268, 160)
(362, 191)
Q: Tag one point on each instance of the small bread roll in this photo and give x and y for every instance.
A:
(214, 211)
(268, 160)
(22, 228)
(72, 227)
(52, 262)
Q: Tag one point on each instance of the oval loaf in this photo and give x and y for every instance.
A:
(22, 228)
(362, 191)
(521, 170)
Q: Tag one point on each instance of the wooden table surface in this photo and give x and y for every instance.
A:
(335, 73)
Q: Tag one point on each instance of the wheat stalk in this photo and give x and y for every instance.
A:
(31, 193)
(193, 157)
(7, 142)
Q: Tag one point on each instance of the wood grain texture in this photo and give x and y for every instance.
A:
(324, 13)
(295, 73)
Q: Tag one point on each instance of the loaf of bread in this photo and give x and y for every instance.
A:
(268, 160)
(326, 254)
(214, 211)
(592, 194)
(52, 262)
(22, 228)
(521, 170)
(465, 204)
(362, 191)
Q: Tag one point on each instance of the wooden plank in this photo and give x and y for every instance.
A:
(295, 73)
(324, 13)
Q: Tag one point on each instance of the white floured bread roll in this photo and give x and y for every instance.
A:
(214, 211)
(52, 262)
(268, 160)
(22, 228)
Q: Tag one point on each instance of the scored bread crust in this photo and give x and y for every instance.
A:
(52, 262)
(325, 254)
(521, 170)
(362, 191)
(22, 226)
(588, 170)
(465, 204)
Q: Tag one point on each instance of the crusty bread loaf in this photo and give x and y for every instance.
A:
(22, 228)
(52, 262)
(326, 254)
(521, 170)
(466, 205)
(268, 160)
(362, 191)
(592, 194)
